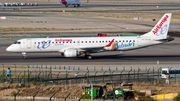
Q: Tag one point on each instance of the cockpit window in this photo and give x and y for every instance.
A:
(17, 42)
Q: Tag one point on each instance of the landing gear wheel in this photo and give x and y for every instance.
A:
(89, 57)
(24, 55)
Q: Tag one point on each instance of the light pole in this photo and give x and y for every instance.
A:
(91, 89)
(15, 70)
(3, 69)
(158, 69)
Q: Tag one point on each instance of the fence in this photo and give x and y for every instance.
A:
(64, 75)
(75, 75)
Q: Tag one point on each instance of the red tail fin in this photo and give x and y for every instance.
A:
(63, 2)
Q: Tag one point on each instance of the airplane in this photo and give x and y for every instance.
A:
(76, 3)
(77, 46)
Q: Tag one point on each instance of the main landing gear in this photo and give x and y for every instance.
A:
(88, 56)
(78, 5)
(24, 55)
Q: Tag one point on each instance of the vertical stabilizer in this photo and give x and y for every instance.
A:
(160, 30)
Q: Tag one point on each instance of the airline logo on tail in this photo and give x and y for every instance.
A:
(160, 29)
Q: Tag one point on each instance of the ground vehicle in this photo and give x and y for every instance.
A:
(105, 93)
(126, 94)
(172, 72)
(102, 34)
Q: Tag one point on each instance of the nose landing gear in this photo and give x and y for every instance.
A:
(24, 55)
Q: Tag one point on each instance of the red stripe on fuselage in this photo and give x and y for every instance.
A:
(110, 43)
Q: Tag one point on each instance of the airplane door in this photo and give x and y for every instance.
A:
(29, 43)
(23, 44)
(78, 42)
(139, 41)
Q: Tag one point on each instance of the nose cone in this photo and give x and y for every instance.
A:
(9, 49)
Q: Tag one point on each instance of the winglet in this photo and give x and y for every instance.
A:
(110, 43)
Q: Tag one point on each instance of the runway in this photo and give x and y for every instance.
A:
(167, 54)
(57, 7)
(88, 5)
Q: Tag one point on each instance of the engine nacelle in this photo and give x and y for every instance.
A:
(70, 53)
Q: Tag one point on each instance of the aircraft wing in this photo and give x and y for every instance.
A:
(92, 49)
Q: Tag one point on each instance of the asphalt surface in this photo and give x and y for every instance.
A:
(167, 54)
(84, 5)
(57, 8)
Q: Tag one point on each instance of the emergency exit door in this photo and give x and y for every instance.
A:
(139, 41)
(29, 43)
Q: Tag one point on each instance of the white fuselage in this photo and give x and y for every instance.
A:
(60, 44)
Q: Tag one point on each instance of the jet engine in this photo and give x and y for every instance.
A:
(71, 53)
